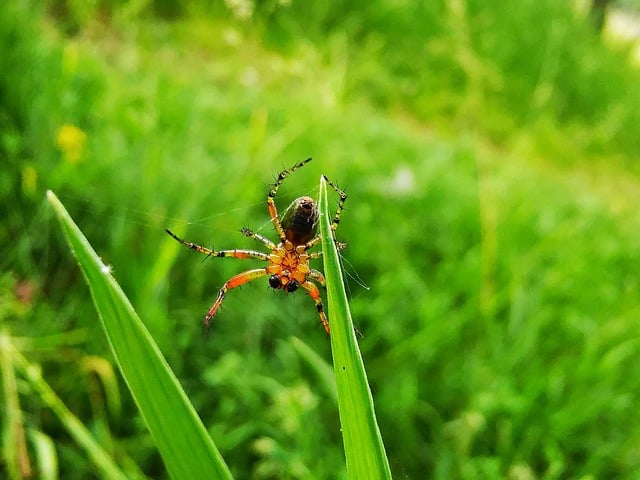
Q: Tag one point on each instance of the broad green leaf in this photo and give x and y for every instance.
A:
(182, 440)
(363, 445)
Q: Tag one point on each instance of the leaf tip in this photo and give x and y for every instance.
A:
(51, 197)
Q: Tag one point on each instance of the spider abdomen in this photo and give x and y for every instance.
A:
(300, 221)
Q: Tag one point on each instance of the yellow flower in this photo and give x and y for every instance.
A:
(71, 141)
(29, 181)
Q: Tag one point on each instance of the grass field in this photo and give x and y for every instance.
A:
(490, 155)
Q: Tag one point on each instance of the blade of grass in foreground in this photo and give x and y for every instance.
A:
(183, 442)
(363, 445)
(78, 431)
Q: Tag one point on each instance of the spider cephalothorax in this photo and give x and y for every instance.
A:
(288, 260)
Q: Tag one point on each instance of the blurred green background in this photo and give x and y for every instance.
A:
(490, 153)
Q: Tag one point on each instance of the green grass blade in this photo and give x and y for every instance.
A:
(45, 451)
(363, 445)
(183, 442)
(14, 447)
(77, 430)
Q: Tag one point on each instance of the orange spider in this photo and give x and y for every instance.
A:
(287, 261)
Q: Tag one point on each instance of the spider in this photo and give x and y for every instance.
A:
(288, 260)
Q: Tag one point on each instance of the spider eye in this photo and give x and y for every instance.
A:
(292, 286)
(274, 281)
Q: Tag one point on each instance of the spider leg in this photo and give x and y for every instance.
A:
(247, 232)
(317, 276)
(233, 282)
(236, 253)
(336, 218)
(343, 198)
(314, 293)
(271, 204)
(339, 246)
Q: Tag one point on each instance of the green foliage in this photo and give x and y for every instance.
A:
(489, 152)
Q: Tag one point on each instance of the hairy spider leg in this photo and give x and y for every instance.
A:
(339, 246)
(314, 293)
(235, 253)
(233, 282)
(317, 276)
(343, 198)
(336, 219)
(271, 204)
(247, 232)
